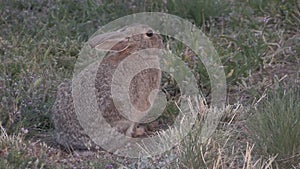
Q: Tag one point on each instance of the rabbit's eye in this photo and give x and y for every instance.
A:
(149, 33)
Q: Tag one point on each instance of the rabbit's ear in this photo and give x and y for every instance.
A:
(107, 42)
(112, 45)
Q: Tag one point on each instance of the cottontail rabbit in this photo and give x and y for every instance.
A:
(68, 131)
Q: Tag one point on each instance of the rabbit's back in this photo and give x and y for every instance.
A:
(68, 131)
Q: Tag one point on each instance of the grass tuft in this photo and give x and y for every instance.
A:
(275, 126)
(13, 152)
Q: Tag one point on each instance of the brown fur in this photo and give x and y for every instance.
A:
(69, 132)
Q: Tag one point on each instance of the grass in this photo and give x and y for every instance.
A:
(18, 152)
(40, 41)
(198, 11)
(222, 150)
(275, 126)
(14, 152)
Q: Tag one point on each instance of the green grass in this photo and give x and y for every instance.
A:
(14, 152)
(40, 42)
(198, 11)
(18, 152)
(275, 126)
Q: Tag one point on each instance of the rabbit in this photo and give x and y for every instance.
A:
(119, 44)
